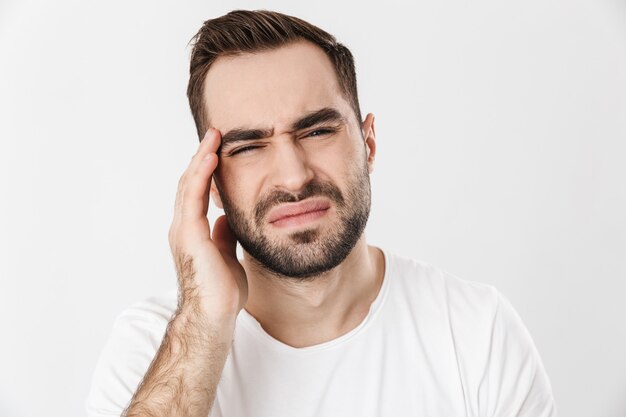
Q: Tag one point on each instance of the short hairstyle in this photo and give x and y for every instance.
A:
(247, 31)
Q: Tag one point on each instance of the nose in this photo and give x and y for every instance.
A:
(290, 168)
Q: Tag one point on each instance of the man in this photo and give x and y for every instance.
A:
(312, 321)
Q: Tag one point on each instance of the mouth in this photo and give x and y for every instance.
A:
(294, 214)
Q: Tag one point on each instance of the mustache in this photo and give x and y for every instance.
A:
(313, 188)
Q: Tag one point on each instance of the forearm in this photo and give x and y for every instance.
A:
(183, 376)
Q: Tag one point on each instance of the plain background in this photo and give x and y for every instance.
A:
(501, 132)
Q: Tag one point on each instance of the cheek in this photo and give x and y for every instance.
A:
(343, 159)
(237, 186)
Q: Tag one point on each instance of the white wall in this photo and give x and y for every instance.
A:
(501, 144)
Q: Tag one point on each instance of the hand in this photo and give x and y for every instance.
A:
(210, 277)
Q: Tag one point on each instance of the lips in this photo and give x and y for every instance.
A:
(296, 209)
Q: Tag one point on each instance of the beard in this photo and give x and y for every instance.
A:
(307, 253)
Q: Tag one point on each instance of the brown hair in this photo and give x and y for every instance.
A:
(246, 31)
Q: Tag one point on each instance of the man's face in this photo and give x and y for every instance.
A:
(293, 172)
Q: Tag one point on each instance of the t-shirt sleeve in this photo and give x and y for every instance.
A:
(515, 382)
(122, 363)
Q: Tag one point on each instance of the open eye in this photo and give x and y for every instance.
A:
(319, 132)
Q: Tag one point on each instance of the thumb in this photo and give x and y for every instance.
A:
(224, 238)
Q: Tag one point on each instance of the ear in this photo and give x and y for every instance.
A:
(215, 195)
(369, 137)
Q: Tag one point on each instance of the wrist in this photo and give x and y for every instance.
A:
(190, 318)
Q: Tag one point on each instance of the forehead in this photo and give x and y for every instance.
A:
(271, 88)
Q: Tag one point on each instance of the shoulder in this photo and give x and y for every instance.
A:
(145, 321)
(135, 337)
(138, 330)
(462, 309)
(497, 360)
(156, 310)
(460, 297)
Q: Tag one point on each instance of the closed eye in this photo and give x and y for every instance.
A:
(243, 149)
(313, 133)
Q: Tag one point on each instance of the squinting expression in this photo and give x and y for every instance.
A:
(293, 174)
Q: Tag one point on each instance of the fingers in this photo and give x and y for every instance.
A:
(192, 197)
(195, 196)
(224, 238)
(208, 145)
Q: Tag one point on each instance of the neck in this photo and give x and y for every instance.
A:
(307, 313)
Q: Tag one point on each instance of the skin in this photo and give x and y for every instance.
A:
(270, 90)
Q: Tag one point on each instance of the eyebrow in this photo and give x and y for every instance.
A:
(327, 114)
(323, 115)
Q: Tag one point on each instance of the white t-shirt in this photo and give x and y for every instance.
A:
(431, 345)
